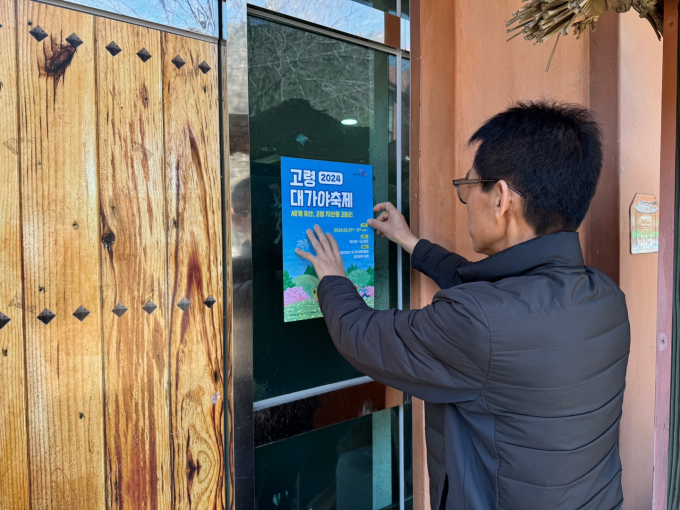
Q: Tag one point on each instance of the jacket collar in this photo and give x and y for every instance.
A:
(562, 249)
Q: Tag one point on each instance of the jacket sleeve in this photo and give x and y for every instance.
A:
(439, 353)
(436, 262)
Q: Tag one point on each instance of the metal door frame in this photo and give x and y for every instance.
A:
(234, 37)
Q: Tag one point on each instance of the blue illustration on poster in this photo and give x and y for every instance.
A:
(339, 198)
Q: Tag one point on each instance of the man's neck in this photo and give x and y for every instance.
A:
(513, 237)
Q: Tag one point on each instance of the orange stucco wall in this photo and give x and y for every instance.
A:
(639, 135)
(468, 72)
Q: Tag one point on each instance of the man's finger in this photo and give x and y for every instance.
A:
(384, 216)
(377, 222)
(315, 242)
(322, 237)
(335, 249)
(305, 255)
(384, 206)
(336, 252)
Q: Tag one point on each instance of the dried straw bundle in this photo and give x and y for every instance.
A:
(539, 20)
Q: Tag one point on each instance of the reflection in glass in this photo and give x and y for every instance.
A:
(198, 16)
(405, 35)
(405, 9)
(349, 466)
(302, 86)
(359, 18)
(382, 5)
(408, 455)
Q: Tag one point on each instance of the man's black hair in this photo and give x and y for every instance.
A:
(551, 152)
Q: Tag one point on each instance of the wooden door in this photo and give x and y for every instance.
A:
(110, 265)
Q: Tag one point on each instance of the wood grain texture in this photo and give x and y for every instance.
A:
(195, 272)
(134, 267)
(14, 457)
(61, 258)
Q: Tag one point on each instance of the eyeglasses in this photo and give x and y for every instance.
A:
(466, 183)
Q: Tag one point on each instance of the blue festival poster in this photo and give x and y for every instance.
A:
(339, 198)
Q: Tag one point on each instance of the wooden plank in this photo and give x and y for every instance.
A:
(61, 258)
(667, 201)
(195, 272)
(14, 458)
(134, 267)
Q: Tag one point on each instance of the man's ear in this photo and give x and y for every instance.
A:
(503, 198)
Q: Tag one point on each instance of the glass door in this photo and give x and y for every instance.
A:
(324, 435)
(311, 97)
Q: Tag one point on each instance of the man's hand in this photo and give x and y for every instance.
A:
(328, 261)
(392, 225)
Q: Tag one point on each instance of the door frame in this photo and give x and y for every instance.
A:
(667, 205)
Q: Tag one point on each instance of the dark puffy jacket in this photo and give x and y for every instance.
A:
(521, 359)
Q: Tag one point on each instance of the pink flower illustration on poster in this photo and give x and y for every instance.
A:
(293, 295)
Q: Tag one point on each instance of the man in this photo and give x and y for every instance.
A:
(521, 357)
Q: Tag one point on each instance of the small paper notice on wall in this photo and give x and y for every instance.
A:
(339, 198)
(644, 224)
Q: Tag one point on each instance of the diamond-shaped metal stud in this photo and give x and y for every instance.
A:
(81, 313)
(4, 320)
(119, 309)
(38, 34)
(46, 316)
(144, 54)
(179, 63)
(113, 48)
(149, 307)
(209, 301)
(183, 304)
(203, 66)
(74, 40)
